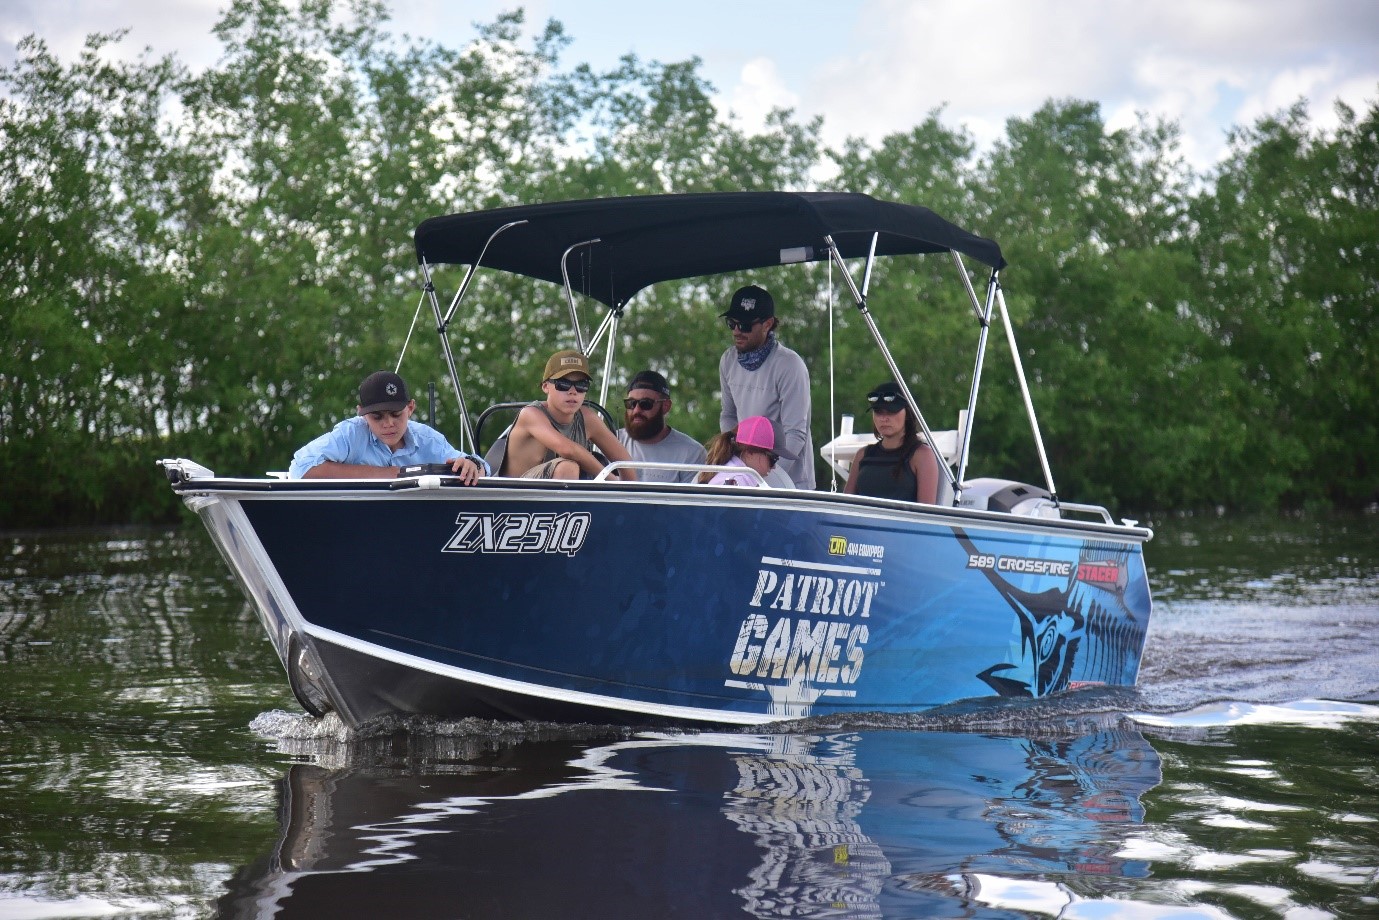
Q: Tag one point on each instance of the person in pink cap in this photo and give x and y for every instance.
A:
(751, 445)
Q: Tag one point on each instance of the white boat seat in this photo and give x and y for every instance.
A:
(944, 496)
(840, 452)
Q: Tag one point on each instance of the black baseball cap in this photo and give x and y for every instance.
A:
(750, 302)
(383, 391)
(887, 394)
(649, 380)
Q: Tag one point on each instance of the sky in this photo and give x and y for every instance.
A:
(875, 67)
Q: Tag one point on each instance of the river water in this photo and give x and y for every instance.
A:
(153, 763)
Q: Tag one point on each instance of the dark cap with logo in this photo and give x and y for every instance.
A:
(649, 380)
(750, 302)
(383, 391)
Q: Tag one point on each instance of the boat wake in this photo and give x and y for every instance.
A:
(329, 742)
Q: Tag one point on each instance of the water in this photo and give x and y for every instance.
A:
(155, 765)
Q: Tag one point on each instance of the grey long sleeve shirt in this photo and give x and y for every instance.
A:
(779, 390)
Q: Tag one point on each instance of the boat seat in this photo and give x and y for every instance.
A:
(497, 451)
(944, 498)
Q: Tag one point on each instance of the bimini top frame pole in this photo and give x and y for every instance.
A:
(608, 326)
(467, 442)
(983, 314)
(466, 433)
(570, 293)
(860, 299)
(995, 297)
(1024, 392)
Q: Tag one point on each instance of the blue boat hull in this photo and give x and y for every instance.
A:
(679, 604)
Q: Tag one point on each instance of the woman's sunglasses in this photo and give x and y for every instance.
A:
(886, 403)
(644, 403)
(580, 386)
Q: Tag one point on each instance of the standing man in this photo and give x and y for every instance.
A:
(646, 435)
(760, 376)
(555, 438)
(380, 438)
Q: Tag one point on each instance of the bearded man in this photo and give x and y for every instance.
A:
(760, 376)
(646, 435)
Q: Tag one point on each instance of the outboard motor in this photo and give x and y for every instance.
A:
(1009, 497)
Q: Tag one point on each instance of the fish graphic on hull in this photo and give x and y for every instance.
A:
(1054, 624)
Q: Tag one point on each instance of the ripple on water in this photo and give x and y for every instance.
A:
(411, 740)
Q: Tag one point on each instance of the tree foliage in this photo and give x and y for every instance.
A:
(205, 265)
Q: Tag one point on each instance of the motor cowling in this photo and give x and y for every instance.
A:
(1008, 497)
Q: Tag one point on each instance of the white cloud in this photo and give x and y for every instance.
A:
(1286, 87)
(169, 26)
(759, 90)
(874, 67)
(1206, 65)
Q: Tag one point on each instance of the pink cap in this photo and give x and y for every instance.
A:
(756, 431)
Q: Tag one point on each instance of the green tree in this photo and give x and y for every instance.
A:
(206, 266)
(1092, 222)
(90, 183)
(1286, 237)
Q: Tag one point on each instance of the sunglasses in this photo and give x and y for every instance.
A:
(564, 386)
(886, 403)
(644, 403)
(737, 325)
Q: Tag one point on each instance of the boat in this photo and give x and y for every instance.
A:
(654, 604)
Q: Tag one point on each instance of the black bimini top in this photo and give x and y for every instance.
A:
(643, 240)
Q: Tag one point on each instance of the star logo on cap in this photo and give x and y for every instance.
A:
(390, 389)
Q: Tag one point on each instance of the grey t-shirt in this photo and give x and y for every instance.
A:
(779, 390)
(675, 447)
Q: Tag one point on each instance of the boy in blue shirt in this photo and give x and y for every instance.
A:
(381, 438)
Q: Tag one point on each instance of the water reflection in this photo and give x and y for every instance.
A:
(800, 801)
(130, 667)
(857, 825)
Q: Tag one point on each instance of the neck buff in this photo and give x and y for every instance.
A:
(751, 360)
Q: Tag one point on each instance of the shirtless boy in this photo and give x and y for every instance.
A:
(553, 439)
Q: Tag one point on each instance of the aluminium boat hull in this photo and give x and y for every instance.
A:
(647, 604)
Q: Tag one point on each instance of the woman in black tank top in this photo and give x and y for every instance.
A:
(901, 466)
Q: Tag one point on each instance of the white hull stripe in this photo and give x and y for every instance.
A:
(539, 691)
(819, 566)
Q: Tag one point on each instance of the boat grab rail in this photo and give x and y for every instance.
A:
(676, 467)
(1086, 509)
